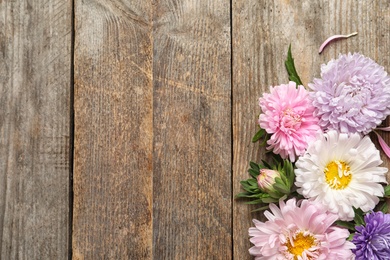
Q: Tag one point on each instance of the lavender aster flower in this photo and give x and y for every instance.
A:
(373, 240)
(353, 94)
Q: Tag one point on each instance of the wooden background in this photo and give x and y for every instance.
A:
(125, 126)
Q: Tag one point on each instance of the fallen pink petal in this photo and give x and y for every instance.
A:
(335, 37)
(387, 129)
(384, 145)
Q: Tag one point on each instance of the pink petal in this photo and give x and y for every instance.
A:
(383, 144)
(334, 37)
(384, 128)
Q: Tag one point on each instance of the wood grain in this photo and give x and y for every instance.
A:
(35, 73)
(192, 130)
(113, 130)
(262, 31)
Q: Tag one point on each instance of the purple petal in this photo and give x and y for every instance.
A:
(334, 37)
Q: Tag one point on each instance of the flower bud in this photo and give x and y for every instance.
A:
(266, 179)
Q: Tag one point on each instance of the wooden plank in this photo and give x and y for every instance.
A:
(192, 130)
(113, 130)
(262, 31)
(35, 85)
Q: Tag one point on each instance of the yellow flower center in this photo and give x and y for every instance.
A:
(337, 175)
(299, 244)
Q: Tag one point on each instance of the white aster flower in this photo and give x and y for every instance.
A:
(341, 172)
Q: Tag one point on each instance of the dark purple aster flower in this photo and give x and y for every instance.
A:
(372, 240)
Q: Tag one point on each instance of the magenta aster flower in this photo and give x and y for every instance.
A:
(299, 231)
(353, 94)
(372, 240)
(288, 116)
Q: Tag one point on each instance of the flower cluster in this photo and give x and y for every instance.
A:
(325, 188)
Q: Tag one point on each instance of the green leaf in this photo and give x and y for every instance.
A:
(269, 200)
(242, 195)
(258, 135)
(275, 194)
(284, 177)
(279, 180)
(253, 173)
(265, 140)
(254, 202)
(254, 166)
(246, 186)
(260, 209)
(252, 182)
(384, 207)
(292, 73)
(359, 216)
(387, 191)
(346, 224)
(266, 164)
(281, 188)
(249, 195)
(359, 219)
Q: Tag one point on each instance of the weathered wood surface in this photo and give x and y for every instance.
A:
(192, 130)
(113, 163)
(262, 31)
(35, 83)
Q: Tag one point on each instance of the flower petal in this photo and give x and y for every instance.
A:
(334, 37)
(384, 145)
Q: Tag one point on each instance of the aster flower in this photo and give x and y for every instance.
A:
(288, 116)
(372, 240)
(341, 171)
(299, 231)
(353, 94)
(266, 179)
(268, 183)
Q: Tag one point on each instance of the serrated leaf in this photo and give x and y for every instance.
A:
(289, 171)
(265, 139)
(258, 135)
(253, 173)
(281, 188)
(254, 166)
(246, 186)
(384, 207)
(284, 178)
(242, 195)
(290, 66)
(279, 180)
(269, 200)
(266, 164)
(275, 194)
(256, 195)
(249, 195)
(260, 209)
(254, 202)
(387, 190)
(252, 182)
(345, 224)
(359, 219)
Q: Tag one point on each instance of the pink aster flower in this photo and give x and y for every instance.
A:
(288, 116)
(353, 94)
(299, 231)
(266, 179)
